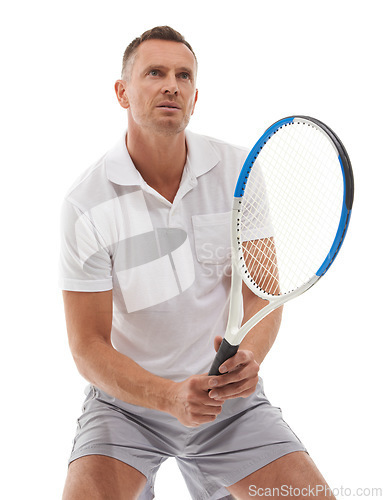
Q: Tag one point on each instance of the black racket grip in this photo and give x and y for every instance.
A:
(225, 352)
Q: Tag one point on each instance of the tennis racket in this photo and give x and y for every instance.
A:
(291, 210)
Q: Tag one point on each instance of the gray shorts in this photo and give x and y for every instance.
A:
(247, 435)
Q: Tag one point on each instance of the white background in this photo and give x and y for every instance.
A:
(258, 61)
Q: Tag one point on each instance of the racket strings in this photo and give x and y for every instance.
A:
(264, 267)
(291, 207)
(265, 262)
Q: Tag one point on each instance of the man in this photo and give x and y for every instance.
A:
(144, 273)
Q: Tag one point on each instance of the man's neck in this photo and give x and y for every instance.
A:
(159, 159)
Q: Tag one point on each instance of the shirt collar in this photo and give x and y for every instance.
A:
(120, 168)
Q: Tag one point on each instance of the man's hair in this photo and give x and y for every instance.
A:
(157, 33)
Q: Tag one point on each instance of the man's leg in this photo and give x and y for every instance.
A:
(294, 475)
(97, 477)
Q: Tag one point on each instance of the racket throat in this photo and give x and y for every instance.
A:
(236, 307)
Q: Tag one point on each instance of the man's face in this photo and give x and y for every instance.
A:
(161, 90)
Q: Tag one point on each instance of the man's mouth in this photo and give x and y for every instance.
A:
(168, 105)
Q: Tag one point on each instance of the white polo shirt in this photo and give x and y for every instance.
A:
(167, 263)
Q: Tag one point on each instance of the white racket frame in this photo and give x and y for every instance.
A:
(234, 332)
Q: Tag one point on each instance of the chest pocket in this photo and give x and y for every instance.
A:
(212, 237)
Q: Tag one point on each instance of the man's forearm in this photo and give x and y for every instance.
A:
(260, 339)
(121, 377)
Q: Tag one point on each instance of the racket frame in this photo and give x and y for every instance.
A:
(235, 332)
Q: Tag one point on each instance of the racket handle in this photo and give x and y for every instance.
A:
(225, 352)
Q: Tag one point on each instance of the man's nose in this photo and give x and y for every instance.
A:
(170, 86)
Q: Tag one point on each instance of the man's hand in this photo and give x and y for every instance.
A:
(191, 403)
(199, 399)
(240, 376)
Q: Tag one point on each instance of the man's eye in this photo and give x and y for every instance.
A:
(154, 72)
(185, 76)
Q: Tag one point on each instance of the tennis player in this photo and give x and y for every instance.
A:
(145, 274)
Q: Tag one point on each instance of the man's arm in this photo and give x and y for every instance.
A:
(89, 322)
(260, 339)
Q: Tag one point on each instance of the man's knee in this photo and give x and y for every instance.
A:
(98, 477)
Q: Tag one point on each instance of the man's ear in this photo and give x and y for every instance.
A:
(122, 97)
(195, 100)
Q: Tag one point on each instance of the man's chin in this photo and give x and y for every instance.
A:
(169, 128)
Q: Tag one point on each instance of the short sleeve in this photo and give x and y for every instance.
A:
(85, 264)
